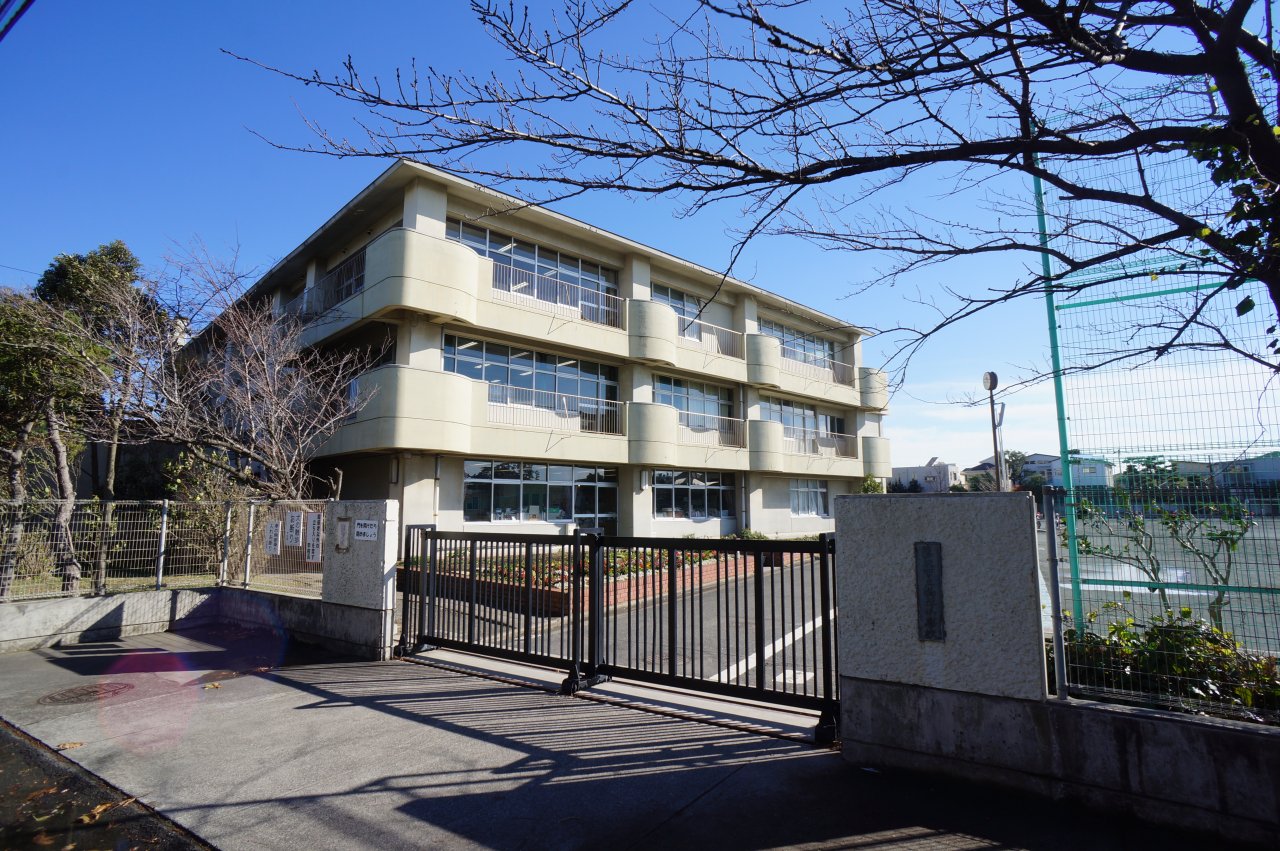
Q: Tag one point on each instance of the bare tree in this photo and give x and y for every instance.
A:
(248, 390)
(807, 121)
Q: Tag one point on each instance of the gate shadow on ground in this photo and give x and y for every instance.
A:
(523, 768)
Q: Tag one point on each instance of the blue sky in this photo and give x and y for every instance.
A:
(125, 121)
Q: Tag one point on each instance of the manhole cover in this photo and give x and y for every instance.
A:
(85, 694)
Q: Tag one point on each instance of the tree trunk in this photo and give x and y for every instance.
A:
(14, 526)
(108, 499)
(67, 565)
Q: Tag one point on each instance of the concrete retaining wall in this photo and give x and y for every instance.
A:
(355, 616)
(31, 624)
(952, 680)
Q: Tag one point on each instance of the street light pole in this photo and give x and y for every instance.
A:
(990, 381)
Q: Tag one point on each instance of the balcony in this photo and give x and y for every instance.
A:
(804, 441)
(339, 284)
(705, 430)
(795, 362)
(713, 339)
(545, 409)
(557, 298)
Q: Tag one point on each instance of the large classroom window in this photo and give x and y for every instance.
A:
(685, 306)
(542, 272)
(808, 497)
(494, 491)
(797, 415)
(694, 399)
(798, 345)
(515, 366)
(693, 494)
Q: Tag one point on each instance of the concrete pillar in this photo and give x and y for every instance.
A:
(425, 208)
(635, 280)
(745, 316)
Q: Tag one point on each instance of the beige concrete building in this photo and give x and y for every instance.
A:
(546, 373)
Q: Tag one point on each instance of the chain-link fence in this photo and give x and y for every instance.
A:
(1171, 573)
(48, 549)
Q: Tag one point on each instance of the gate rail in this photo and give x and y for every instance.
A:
(744, 618)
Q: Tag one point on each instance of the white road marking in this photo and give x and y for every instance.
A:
(733, 672)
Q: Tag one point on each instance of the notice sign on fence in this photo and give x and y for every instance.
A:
(273, 538)
(293, 529)
(315, 525)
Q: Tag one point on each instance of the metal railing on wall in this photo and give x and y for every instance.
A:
(121, 546)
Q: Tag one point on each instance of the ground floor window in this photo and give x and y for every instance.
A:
(693, 494)
(524, 491)
(808, 497)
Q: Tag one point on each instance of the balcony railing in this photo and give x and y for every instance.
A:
(696, 334)
(520, 406)
(340, 283)
(560, 298)
(804, 441)
(822, 369)
(706, 430)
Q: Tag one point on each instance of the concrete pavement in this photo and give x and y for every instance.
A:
(251, 743)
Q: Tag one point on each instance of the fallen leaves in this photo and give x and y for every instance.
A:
(213, 685)
(96, 813)
(66, 746)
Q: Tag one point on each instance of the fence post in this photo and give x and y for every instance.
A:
(164, 542)
(828, 728)
(248, 544)
(1055, 598)
(226, 547)
(595, 609)
(672, 612)
(759, 612)
(427, 588)
(573, 681)
(579, 678)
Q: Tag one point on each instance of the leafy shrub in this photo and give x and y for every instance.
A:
(1175, 660)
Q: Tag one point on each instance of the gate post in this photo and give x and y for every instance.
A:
(415, 603)
(586, 675)
(828, 728)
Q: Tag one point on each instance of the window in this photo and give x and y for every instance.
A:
(693, 494)
(796, 415)
(537, 259)
(1089, 471)
(798, 345)
(808, 497)
(685, 306)
(497, 491)
(542, 375)
(695, 400)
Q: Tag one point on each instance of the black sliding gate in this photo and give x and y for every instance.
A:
(744, 618)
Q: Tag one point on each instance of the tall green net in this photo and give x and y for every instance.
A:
(1171, 444)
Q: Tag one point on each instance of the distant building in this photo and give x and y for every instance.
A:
(1085, 472)
(934, 477)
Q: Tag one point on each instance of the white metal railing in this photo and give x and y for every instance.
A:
(530, 408)
(342, 282)
(707, 430)
(804, 441)
(696, 334)
(560, 298)
(822, 369)
(295, 306)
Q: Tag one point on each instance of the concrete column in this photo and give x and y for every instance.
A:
(637, 381)
(745, 317)
(315, 271)
(425, 208)
(635, 281)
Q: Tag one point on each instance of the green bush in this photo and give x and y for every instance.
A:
(1174, 660)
